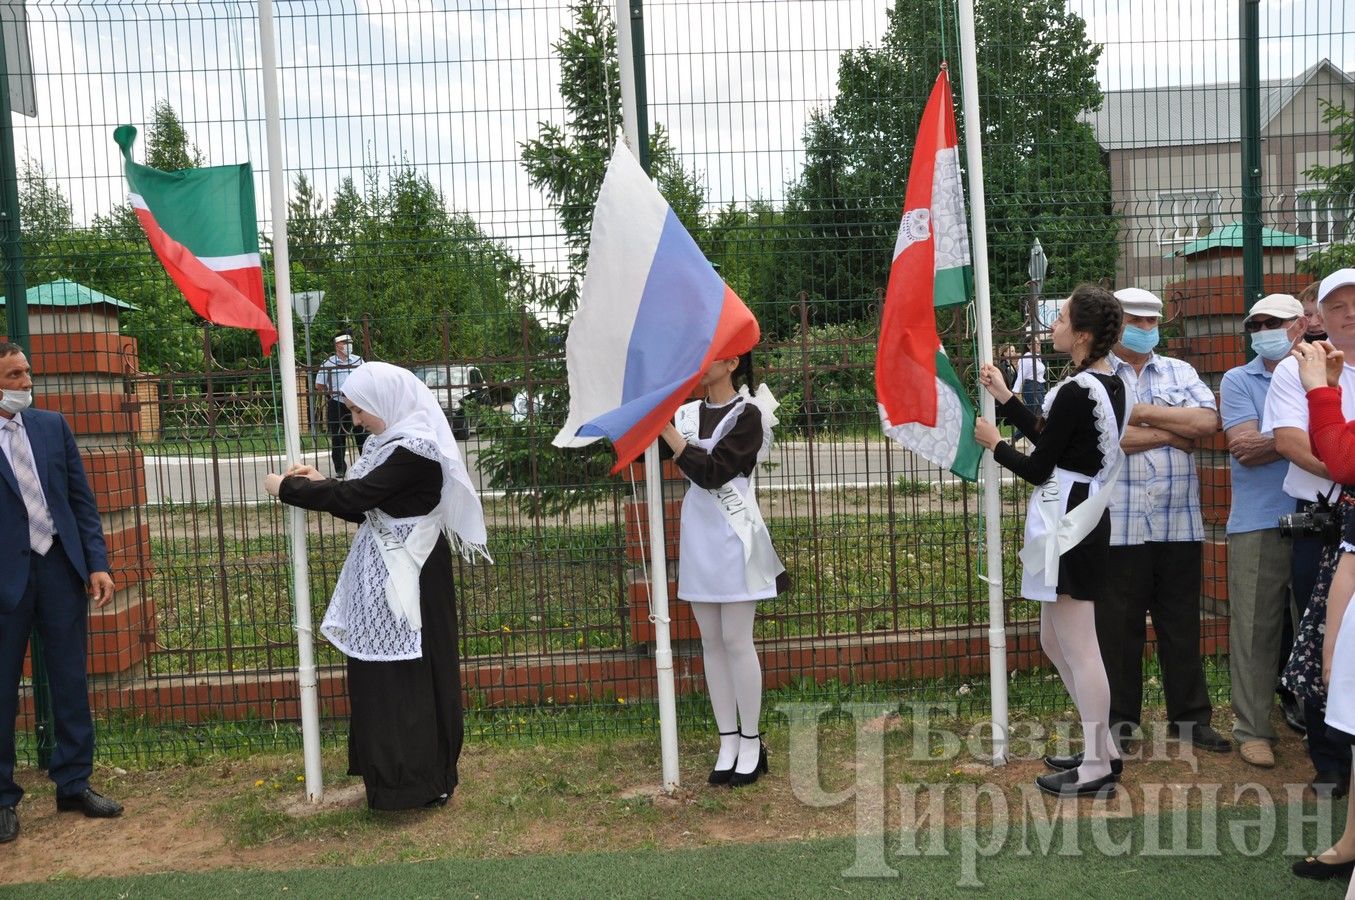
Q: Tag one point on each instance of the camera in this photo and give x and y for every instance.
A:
(1318, 520)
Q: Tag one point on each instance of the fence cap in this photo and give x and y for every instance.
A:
(68, 294)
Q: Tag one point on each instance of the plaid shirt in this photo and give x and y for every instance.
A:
(1157, 496)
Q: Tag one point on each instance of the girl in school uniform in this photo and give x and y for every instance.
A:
(1075, 461)
(726, 562)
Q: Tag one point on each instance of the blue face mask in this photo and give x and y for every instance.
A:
(1140, 340)
(1272, 344)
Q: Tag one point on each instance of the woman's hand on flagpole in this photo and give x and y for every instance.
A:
(986, 433)
(990, 376)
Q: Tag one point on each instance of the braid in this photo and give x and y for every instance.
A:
(1094, 310)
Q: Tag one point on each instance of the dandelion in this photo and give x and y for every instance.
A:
(621, 700)
(506, 629)
(301, 778)
(258, 783)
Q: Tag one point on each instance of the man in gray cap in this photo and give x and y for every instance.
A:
(1157, 533)
(1258, 557)
(1306, 479)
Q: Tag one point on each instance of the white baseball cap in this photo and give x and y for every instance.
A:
(1338, 279)
(1138, 302)
(1277, 306)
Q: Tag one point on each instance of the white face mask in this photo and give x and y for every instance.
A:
(15, 401)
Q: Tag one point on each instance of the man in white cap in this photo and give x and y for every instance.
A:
(1258, 557)
(1307, 479)
(1157, 533)
(339, 420)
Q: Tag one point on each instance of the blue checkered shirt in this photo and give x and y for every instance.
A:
(1157, 496)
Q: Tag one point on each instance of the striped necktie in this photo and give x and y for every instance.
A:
(40, 528)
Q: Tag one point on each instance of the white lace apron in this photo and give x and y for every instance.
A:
(1052, 529)
(727, 554)
(374, 613)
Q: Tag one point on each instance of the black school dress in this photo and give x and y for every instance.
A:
(405, 717)
(1068, 439)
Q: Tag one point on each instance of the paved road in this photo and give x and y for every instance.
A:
(796, 466)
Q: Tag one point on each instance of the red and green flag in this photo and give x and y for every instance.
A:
(202, 226)
(923, 406)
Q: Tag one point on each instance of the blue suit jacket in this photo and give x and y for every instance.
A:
(68, 497)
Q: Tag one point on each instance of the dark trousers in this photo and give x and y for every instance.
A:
(55, 598)
(1327, 755)
(339, 419)
(1161, 580)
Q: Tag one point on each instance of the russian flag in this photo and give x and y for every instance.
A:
(652, 316)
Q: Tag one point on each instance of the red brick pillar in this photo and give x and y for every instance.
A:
(85, 370)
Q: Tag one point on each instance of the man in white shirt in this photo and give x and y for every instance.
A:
(1286, 416)
(329, 380)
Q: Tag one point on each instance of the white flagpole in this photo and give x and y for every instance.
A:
(296, 518)
(658, 562)
(992, 501)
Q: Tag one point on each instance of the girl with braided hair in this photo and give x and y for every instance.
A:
(1075, 461)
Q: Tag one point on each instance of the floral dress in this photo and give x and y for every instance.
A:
(1303, 673)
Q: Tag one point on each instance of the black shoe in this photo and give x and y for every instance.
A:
(722, 776)
(439, 800)
(1316, 869)
(91, 803)
(1292, 708)
(1065, 784)
(1065, 763)
(1335, 785)
(9, 824)
(739, 779)
(1202, 736)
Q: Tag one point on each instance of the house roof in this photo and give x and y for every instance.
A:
(1185, 115)
(69, 294)
(1231, 236)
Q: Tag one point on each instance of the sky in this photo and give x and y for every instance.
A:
(454, 88)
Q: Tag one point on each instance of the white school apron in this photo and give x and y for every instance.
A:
(717, 563)
(1052, 529)
(1341, 692)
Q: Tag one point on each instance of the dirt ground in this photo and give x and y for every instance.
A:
(565, 797)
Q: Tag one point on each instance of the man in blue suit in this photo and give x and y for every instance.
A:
(53, 548)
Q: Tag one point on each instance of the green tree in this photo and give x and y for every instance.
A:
(168, 146)
(1043, 172)
(48, 225)
(568, 161)
(1338, 189)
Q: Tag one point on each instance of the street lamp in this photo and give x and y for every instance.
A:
(1039, 266)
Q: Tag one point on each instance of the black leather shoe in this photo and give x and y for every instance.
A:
(1064, 763)
(721, 776)
(1292, 708)
(1065, 784)
(1202, 736)
(1316, 869)
(1330, 784)
(91, 803)
(9, 824)
(740, 779)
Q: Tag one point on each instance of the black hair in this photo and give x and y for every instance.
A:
(1096, 311)
(744, 371)
(9, 349)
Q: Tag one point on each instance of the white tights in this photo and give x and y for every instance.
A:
(733, 678)
(1068, 636)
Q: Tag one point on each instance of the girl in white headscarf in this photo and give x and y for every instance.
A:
(393, 613)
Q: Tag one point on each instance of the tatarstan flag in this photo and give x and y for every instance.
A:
(922, 403)
(202, 226)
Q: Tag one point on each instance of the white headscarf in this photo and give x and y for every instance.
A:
(415, 420)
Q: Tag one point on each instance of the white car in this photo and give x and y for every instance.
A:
(452, 384)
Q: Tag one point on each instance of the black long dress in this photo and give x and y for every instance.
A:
(406, 724)
(1067, 439)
